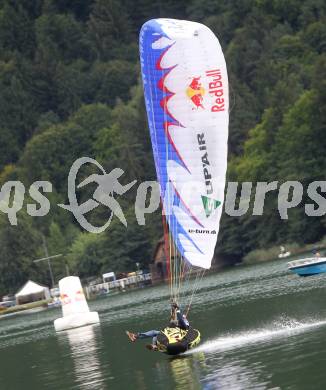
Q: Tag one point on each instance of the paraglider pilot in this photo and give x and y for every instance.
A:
(177, 320)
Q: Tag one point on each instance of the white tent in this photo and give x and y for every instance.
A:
(32, 292)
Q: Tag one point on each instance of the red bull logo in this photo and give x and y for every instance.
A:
(195, 92)
(65, 299)
(79, 295)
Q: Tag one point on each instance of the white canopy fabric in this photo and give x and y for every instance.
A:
(33, 289)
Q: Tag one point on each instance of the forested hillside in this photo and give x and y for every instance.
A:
(70, 87)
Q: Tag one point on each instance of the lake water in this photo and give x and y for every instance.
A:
(262, 328)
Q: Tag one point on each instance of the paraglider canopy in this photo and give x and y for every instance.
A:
(186, 93)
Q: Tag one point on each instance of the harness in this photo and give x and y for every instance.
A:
(174, 335)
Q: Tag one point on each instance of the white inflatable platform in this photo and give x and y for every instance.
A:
(75, 310)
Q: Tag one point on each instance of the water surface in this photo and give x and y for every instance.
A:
(262, 328)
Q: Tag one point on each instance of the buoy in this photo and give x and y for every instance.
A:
(75, 310)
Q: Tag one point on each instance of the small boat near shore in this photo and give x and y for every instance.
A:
(309, 266)
(283, 253)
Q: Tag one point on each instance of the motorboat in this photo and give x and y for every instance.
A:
(309, 266)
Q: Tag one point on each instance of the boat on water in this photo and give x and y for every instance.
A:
(309, 266)
(283, 253)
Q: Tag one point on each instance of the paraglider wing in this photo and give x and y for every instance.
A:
(186, 94)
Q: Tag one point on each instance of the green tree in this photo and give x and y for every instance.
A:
(49, 155)
(109, 27)
(20, 245)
